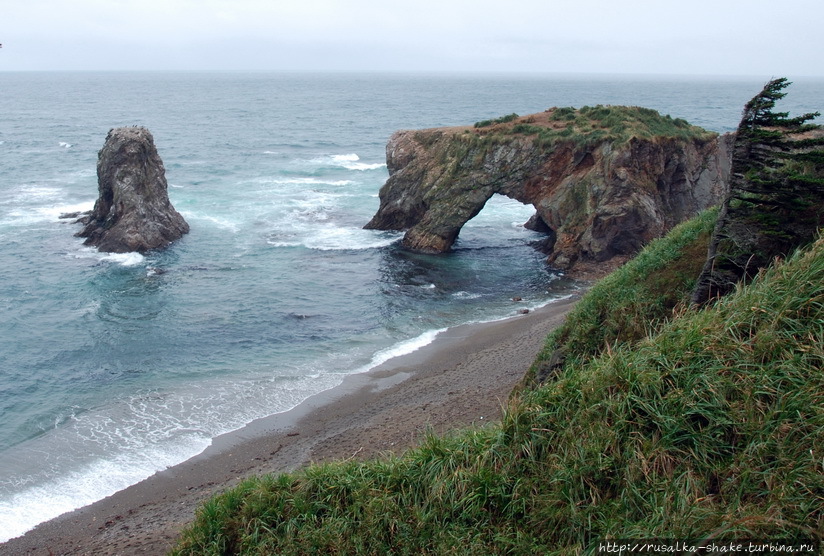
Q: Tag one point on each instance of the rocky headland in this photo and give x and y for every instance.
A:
(604, 180)
(132, 212)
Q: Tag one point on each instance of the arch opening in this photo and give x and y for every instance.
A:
(503, 220)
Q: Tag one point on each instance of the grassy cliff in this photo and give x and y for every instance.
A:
(658, 421)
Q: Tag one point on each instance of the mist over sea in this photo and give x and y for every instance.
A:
(113, 367)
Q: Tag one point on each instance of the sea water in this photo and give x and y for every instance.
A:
(113, 367)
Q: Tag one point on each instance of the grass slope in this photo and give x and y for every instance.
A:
(636, 299)
(702, 425)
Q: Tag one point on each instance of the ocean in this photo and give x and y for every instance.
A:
(113, 367)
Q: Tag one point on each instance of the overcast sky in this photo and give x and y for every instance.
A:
(763, 38)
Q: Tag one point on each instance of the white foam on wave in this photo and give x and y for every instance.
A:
(342, 158)
(27, 215)
(364, 166)
(107, 449)
(38, 193)
(349, 161)
(222, 223)
(97, 480)
(466, 295)
(123, 259)
(303, 181)
(402, 348)
(335, 238)
(65, 145)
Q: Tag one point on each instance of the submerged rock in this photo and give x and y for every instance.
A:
(132, 212)
(600, 194)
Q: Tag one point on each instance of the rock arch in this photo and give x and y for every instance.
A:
(595, 201)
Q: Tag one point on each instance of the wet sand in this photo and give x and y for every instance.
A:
(461, 379)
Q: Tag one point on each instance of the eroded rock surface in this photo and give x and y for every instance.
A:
(598, 200)
(132, 212)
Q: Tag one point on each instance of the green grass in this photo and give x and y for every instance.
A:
(636, 299)
(593, 124)
(502, 120)
(703, 424)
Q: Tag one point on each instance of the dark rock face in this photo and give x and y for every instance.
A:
(596, 202)
(132, 212)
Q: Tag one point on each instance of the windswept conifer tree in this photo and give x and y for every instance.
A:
(776, 198)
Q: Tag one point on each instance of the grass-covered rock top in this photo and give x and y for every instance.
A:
(591, 124)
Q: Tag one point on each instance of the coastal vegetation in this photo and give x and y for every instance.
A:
(632, 302)
(502, 120)
(590, 125)
(709, 425)
(646, 416)
(776, 192)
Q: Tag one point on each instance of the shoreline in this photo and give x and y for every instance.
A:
(462, 378)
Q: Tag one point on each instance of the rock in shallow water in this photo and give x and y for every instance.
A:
(132, 212)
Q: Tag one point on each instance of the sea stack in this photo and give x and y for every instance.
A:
(132, 211)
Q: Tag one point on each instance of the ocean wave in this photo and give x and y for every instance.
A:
(65, 145)
(350, 161)
(123, 259)
(334, 238)
(24, 216)
(222, 223)
(466, 295)
(97, 480)
(362, 166)
(343, 158)
(303, 181)
(402, 348)
(108, 449)
(38, 193)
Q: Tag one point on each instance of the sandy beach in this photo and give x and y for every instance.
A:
(461, 379)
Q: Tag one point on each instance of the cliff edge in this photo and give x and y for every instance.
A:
(604, 180)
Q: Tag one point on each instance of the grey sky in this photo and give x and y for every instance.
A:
(714, 37)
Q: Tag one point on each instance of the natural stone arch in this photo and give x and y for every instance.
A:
(497, 213)
(597, 201)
